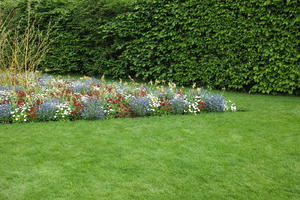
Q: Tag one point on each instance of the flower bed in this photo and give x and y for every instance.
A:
(54, 99)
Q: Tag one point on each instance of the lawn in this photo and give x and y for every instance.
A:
(253, 154)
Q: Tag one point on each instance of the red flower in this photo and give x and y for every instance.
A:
(21, 93)
(4, 102)
(68, 91)
(142, 93)
(96, 93)
(33, 115)
(38, 102)
(21, 101)
(76, 103)
(201, 105)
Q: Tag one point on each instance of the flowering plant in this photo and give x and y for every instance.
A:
(53, 99)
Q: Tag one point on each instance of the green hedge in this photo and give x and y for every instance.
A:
(241, 45)
(77, 46)
(244, 45)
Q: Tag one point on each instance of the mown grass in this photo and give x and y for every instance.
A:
(243, 155)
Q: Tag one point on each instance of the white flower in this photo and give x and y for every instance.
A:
(96, 88)
(84, 98)
(233, 107)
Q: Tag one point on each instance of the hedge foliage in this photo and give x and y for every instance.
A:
(242, 45)
(248, 45)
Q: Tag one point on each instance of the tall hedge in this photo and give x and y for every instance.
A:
(77, 45)
(244, 45)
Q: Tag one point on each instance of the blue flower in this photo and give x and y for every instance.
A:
(81, 87)
(5, 112)
(214, 102)
(45, 81)
(141, 106)
(47, 110)
(178, 105)
(94, 109)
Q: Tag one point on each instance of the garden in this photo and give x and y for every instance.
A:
(52, 99)
(149, 99)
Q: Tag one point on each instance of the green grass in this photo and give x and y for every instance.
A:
(244, 155)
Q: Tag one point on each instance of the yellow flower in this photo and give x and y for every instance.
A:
(194, 85)
(103, 78)
(172, 85)
(85, 78)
